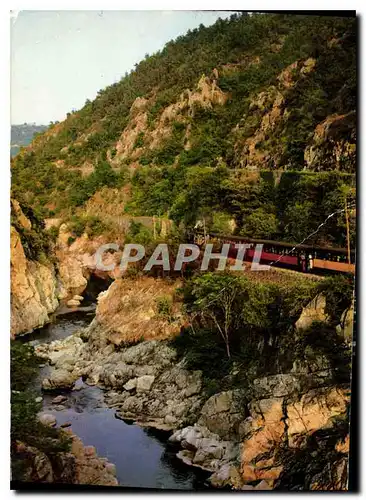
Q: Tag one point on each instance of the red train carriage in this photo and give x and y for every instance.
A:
(305, 258)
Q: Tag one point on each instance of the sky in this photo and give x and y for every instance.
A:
(61, 58)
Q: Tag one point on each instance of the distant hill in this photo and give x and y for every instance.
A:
(22, 135)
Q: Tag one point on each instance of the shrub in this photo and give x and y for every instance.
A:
(138, 233)
(164, 306)
(77, 225)
(260, 224)
(53, 232)
(139, 142)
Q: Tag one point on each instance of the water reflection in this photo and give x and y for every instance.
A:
(62, 327)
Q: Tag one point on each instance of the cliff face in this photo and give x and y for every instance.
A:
(44, 275)
(34, 287)
(144, 308)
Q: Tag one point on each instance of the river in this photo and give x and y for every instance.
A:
(143, 457)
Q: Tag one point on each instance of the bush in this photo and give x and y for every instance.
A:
(139, 142)
(95, 226)
(260, 224)
(138, 233)
(164, 306)
(53, 232)
(77, 225)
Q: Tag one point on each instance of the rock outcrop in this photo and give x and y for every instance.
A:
(34, 289)
(333, 144)
(129, 311)
(80, 465)
(205, 95)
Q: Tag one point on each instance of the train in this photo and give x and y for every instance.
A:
(304, 258)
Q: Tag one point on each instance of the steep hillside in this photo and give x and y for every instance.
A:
(219, 120)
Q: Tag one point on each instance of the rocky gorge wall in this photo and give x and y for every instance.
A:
(39, 285)
(34, 285)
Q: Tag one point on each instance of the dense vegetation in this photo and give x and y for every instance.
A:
(242, 329)
(198, 167)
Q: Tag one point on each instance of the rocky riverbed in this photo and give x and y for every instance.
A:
(238, 443)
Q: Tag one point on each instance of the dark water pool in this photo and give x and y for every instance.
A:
(142, 456)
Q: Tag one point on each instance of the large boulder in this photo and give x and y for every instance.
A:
(314, 311)
(130, 385)
(47, 419)
(221, 414)
(144, 383)
(59, 379)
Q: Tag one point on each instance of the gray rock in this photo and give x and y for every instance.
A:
(170, 420)
(220, 414)
(43, 468)
(245, 427)
(279, 385)
(39, 399)
(59, 379)
(47, 419)
(218, 403)
(59, 399)
(144, 383)
(130, 385)
(227, 475)
(65, 362)
(60, 407)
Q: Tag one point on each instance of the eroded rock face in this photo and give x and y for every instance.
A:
(333, 143)
(128, 311)
(314, 311)
(34, 290)
(206, 94)
(264, 431)
(280, 422)
(314, 411)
